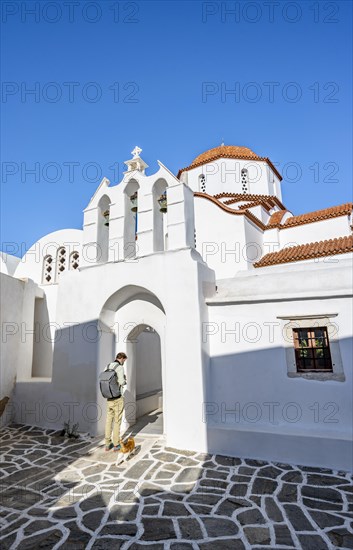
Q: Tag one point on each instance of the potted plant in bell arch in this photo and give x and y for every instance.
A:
(133, 199)
(163, 202)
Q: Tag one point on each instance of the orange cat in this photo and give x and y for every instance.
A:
(128, 445)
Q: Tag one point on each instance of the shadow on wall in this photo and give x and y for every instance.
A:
(148, 362)
(251, 407)
(42, 340)
(254, 409)
(72, 394)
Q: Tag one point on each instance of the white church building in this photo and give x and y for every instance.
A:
(235, 314)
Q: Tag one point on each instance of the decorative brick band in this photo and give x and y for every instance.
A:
(240, 197)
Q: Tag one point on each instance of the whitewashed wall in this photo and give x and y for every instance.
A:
(31, 265)
(248, 369)
(318, 231)
(12, 293)
(227, 242)
(253, 248)
(178, 222)
(8, 263)
(77, 354)
(224, 176)
(148, 360)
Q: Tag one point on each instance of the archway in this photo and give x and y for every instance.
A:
(145, 372)
(103, 229)
(160, 236)
(130, 218)
(133, 320)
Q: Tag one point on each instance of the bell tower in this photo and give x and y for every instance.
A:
(136, 164)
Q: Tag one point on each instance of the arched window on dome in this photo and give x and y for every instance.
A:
(202, 183)
(74, 260)
(60, 262)
(47, 276)
(245, 180)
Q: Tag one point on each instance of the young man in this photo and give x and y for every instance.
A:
(115, 407)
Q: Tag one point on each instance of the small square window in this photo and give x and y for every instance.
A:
(312, 349)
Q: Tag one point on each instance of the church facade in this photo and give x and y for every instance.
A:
(235, 314)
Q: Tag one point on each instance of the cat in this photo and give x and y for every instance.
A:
(127, 446)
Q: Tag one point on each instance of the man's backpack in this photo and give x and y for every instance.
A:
(108, 382)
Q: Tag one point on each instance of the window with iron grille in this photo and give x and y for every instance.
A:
(47, 277)
(74, 260)
(244, 180)
(60, 262)
(202, 179)
(312, 349)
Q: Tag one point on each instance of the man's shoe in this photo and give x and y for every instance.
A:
(108, 447)
(117, 448)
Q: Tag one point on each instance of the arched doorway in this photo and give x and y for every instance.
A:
(132, 320)
(145, 372)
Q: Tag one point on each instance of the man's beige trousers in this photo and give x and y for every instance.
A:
(114, 415)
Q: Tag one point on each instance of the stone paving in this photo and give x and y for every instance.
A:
(65, 493)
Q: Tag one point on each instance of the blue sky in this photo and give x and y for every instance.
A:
(111, 75)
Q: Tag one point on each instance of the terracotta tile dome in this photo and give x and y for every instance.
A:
(232, 151)
(228, 151)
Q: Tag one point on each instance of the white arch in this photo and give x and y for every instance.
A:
(130, 219)
(159, 219)
(131, 186)
(124, 311)
(103, 229)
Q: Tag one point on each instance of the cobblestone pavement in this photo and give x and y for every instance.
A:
(63, 493)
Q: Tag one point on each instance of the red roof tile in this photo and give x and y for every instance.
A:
(275, 219)
(319, 249)
(228, 151)
(309, 217)
(233, 150)
(266, 203)
(239, 197)
(318, 215)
